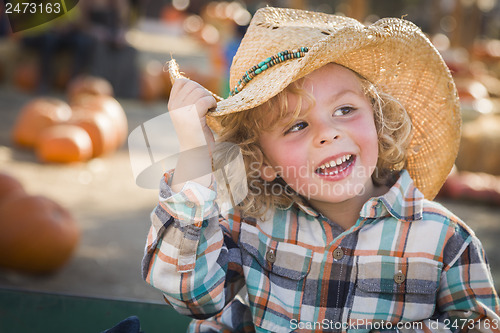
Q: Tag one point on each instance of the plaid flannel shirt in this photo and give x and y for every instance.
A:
(405, 260)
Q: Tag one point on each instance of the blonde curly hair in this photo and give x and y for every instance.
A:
(392, 123)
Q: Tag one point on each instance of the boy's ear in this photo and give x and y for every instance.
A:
(267, 173)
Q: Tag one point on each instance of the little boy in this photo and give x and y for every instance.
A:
(347, 132)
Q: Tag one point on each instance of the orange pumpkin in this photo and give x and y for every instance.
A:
(64, 144)
(62, 77)
(38, 235)
(9, 186)
(26, 76)
(470, 89)
(91, 85)
(108, 106)
(100, 129)
(152, 83)
(37, 115)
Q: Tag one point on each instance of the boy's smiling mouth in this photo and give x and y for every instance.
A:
(336, 165)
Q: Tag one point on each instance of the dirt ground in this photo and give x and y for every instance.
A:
(113, 213)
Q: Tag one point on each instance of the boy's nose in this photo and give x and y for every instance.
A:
(326, 133)
(322, 142)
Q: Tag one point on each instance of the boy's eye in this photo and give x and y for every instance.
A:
(297, 127)
(342, 111)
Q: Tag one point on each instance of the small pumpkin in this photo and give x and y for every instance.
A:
(108, 106)
(100, 129)
(477, 186)
(9, 186)
(37, 115)
(64, 144)
(152, 82)
(90, 85)
(470, 89)
(62, 77)
(26, 76)
(480, 138)
(38, 235)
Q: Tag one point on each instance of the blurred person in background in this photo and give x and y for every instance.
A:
(93, 33)
(66, 33)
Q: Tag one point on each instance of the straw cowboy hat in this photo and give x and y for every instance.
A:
(283, 45)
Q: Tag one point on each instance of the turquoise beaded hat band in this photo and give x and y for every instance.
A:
(266, 64)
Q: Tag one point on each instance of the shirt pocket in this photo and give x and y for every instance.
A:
(275, 276)
(396, 289)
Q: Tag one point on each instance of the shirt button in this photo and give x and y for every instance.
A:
(338, 254)
(189, 204)
(271, 256)
(399, 277)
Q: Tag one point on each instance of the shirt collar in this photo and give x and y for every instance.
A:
(303, 206)
(403, 201)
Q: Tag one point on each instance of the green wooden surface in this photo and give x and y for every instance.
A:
(36, 312)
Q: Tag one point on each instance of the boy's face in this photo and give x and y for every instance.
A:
(330, 152)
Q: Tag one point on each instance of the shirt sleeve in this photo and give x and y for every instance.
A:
(191, 254)
(467, 300)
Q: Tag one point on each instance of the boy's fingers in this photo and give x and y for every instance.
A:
(186, 86)
(178, 94)
(183, 88)
(187, 90)
(205, 103)
(178, 85)
(191, 97)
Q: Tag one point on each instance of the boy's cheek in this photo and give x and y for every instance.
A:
(368, 141)
(293, 168)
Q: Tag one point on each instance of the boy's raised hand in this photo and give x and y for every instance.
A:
(188, 105)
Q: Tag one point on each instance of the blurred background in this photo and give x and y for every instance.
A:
(73, 220)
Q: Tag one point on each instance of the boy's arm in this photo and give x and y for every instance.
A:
(467, 300)
(190, 255)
